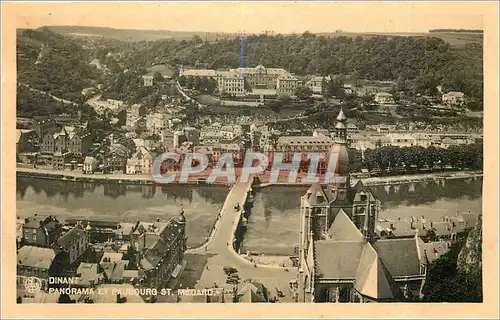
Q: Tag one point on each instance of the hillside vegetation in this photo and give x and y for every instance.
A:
(54, 64)
(60, 65)
(457, 275)
(427, 61)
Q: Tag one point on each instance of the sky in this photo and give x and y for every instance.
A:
(280, 17)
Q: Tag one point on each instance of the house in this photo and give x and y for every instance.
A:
(75, 242)
(34, 261)
(146, 159)
(287, 83)
(60, 160)
(253, 292)
(133, 166)
(192, 135)
(43, 126)
(155, 122)
(90, 274)
(453, 98)
(316, 83)
(115, 159)
(162, 251)
(167, 139)
(89, 165)
(134, 113)
(320, 132)
(449, 142)
(423, 140)
(41, 230)
(69, 139)
(401, 140)
(148, 80)
(384, 98)
(352, 129)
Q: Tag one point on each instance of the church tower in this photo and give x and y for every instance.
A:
(339, 149)
(341, 129)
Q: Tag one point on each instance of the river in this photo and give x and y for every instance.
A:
(120, 202)
(274, 223)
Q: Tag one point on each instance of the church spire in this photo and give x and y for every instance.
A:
(341, 128)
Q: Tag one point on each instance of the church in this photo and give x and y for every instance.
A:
(341, 258)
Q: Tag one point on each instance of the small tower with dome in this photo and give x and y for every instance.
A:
(339, 150)
(341, 128)
(181, 219)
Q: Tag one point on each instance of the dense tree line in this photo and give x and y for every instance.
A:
(427, 61)
(416, 158)
(31, 103)
(202, 84)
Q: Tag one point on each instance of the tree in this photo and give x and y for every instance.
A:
(285, 97)
(182, 81)
(129, 144)
(303, 92)
(157, 77)
(445, 284)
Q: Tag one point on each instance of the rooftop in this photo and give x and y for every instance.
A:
(35, 257)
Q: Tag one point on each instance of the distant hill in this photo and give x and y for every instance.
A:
(453, 37)
(122, 34)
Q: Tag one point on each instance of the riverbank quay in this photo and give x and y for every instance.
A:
(398, 180)
(197, 179)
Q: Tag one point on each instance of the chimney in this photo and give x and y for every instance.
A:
(157, 219)
(391, 226)
(118, 298)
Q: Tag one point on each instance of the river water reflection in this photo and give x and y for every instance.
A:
(274, 224)
(117, 202)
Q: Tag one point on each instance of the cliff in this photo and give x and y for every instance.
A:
(470, 258)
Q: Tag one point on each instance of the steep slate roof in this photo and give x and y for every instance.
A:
(338, 259)
(343, 229)
(70, 238)
(35, 257)
(251, 296)
(87, 272)
(469, 218)
(433, 250)
(442, 228)
(314, 193)
(400, 256)
(372, 277)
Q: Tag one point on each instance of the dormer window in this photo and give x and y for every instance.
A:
(363, 196)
